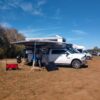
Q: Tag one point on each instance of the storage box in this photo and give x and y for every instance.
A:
(11, 66)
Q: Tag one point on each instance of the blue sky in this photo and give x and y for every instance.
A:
(76, 20)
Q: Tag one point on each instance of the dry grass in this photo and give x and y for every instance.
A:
(64, 84)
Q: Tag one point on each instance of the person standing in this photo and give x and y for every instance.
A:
(39, 58)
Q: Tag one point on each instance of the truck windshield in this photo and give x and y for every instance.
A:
(80, 50)
(72, 50)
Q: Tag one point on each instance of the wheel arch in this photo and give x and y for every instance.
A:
(76, 59)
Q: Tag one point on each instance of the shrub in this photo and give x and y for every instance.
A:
(1, 53)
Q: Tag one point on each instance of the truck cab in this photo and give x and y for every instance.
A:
(66, 57)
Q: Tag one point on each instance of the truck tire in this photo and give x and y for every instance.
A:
(76, 64)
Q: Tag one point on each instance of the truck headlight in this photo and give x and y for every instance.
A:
(83, 58)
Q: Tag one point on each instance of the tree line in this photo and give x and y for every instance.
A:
(94, 50)
(7, 35)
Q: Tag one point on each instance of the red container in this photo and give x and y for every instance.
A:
(11, 66)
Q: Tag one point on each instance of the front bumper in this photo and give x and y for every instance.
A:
(84, 62)
(89, 58)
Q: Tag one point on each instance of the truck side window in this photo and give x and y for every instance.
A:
(58, 52)
(80, 50)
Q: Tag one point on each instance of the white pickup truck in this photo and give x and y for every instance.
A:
(64, 57)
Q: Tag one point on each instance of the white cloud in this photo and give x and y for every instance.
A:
(9, 4)
(37, 8)
(4, 7)
(34, 9)
(5, 24)
(26, 6)
(57, 14)
(79, 32)
(72, 39)
(77, 36)
(37, 12)
(41, 2)
(38, 32)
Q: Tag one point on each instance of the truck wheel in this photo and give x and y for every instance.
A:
(76, 64)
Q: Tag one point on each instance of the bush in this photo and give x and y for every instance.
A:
(6, 36)
(13, 51)
(1, 53)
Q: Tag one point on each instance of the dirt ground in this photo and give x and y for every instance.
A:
(64, 84)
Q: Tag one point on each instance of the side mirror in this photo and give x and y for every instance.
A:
(67, 54)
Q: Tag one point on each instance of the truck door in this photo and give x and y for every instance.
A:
(58, 56)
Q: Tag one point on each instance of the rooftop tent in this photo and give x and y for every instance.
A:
(40, 42)
(57, 38)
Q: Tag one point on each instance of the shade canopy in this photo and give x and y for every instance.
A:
(40, 43)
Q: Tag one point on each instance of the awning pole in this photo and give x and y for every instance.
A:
(34, 54)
